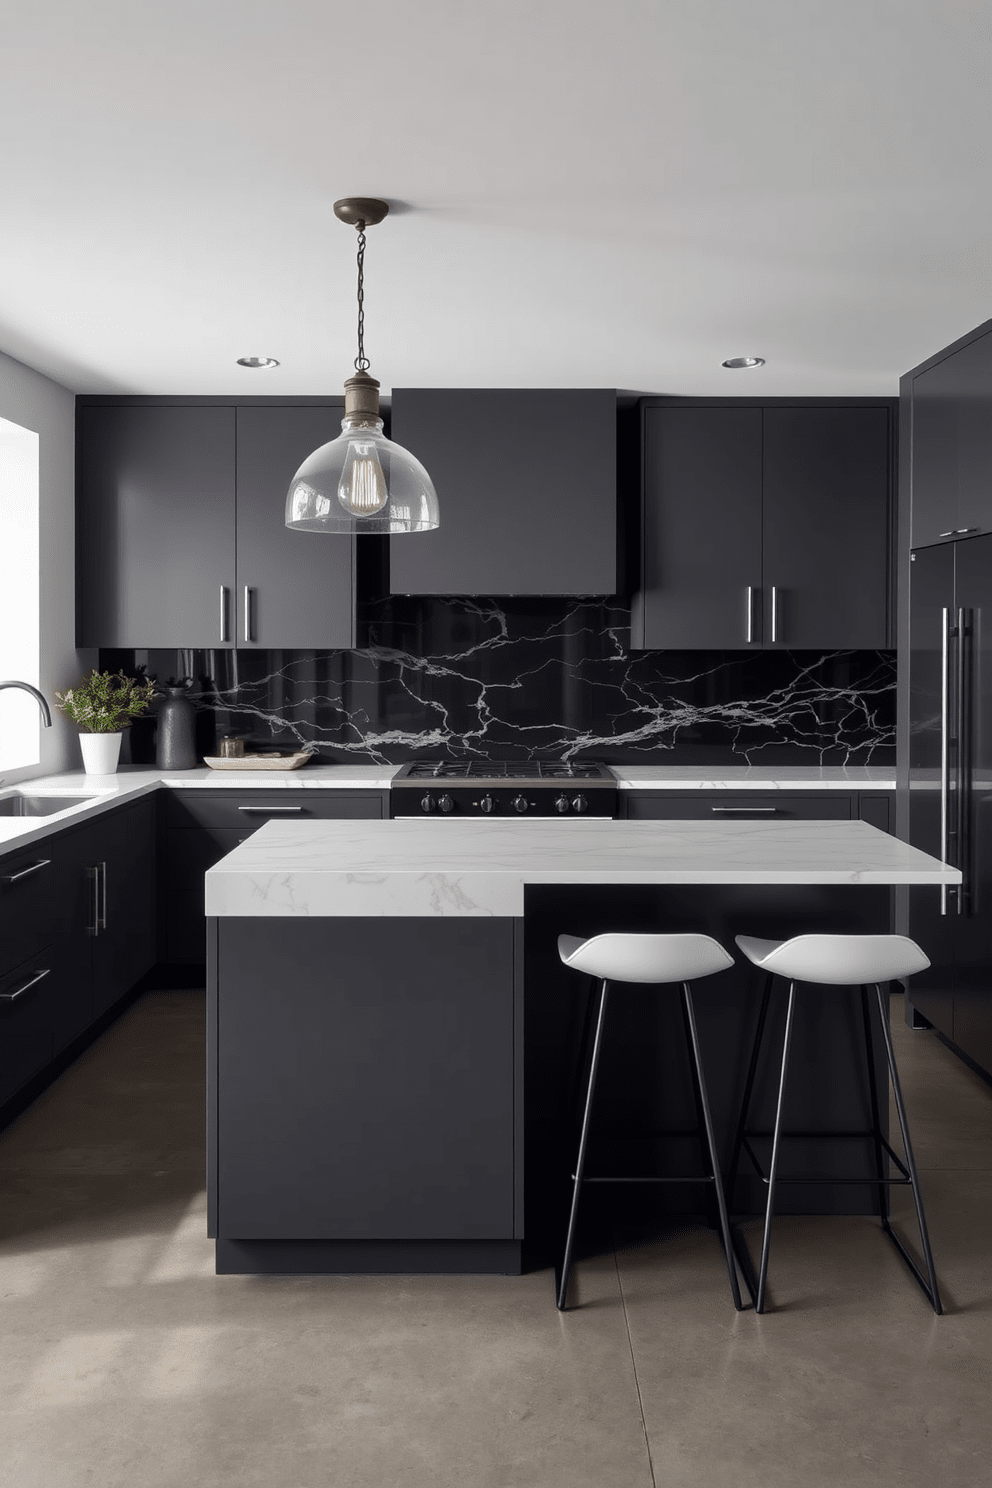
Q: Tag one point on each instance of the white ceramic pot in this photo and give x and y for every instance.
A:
(100, 753)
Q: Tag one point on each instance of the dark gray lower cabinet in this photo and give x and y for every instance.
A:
(81, 905)
(197, 828)
(362, 1079)
(749, 806)
(26, 1040)
(26, 883)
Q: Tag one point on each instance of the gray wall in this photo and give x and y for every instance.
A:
(37, 403)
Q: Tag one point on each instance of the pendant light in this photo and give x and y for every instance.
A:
(361, 481)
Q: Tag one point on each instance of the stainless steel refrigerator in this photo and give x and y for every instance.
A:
(950, 786)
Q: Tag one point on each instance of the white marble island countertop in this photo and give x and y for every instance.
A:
(377, 868)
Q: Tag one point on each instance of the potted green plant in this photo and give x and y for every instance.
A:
(101, 706)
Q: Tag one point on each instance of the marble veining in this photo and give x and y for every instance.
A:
(488, 679)
(472, 868)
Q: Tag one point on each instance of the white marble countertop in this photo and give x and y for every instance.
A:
(100, 793)
(375, 868)
(756, 777)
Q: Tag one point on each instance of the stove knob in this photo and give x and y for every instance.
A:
(580, 804)
(487, 804)
(561, 805)
(519, 803)
(446, 803)
(427, 803)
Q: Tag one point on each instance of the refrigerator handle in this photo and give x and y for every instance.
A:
(962, 760)
(945, 753)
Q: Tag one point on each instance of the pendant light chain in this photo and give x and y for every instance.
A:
(361, 361)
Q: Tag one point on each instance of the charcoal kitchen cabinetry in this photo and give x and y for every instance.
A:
(361, 1106)
(874, 807)
(948, 402)
(181, 527)
(527, 484)
(76, 912)
(197, 828)
(945, 672)
(765, 526)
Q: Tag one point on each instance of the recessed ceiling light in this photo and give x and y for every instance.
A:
(257, 362)
(737, 362)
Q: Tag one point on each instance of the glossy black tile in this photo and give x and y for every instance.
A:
(536, 679)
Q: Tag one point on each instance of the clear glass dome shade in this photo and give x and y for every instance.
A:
(362, 482)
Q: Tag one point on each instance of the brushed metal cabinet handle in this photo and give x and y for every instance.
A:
(268, 810)
(945, 753)
(957, 532)
(774, 613)
(961, 760)
(750, 614)
(751, 810)
(223, 613)
(12, 878)
(93, 877)
(24, 987)
(102, 922)
(248, 634)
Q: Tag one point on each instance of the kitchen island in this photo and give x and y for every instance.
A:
(392, 1042)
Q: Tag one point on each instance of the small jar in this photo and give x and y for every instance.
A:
(232, 746)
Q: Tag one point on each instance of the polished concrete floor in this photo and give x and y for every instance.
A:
(125, 1361)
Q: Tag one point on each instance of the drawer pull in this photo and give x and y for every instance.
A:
(24, 987)
(738, 809)
(9, 878)
(268, 810)
(957, 532)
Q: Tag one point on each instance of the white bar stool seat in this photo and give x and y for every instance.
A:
(840, 961)
(644, 958)
(659, 960)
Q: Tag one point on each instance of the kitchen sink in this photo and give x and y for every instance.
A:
(25, 805)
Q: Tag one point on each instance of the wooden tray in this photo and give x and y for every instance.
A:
(258, 761)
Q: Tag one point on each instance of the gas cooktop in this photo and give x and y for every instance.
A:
(500, 770)
(506, 789)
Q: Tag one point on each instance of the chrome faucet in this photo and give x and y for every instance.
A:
(46, 712)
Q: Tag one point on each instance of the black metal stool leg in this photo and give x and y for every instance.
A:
(876, 1113)
(931, 1290)
(566, 1265)
(748, 1089)
(759, 1305)
(700, 1082)
(705, 1153)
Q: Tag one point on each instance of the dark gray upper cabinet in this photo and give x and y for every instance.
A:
(826, 528)
(295, 589)
(950, 405)
(155, 525)
(181, 528)
(702, 529)
(526, 481)
(765, 527)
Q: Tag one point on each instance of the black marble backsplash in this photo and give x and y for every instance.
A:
(533, 679)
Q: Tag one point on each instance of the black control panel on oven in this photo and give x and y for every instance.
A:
(513, 802)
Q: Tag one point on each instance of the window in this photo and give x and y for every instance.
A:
(20, 595)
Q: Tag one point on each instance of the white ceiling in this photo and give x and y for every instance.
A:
(585, 193)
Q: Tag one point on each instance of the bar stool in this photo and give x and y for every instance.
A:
(842, 961)
(647, 958)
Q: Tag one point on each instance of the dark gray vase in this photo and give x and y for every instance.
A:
(175, 744)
